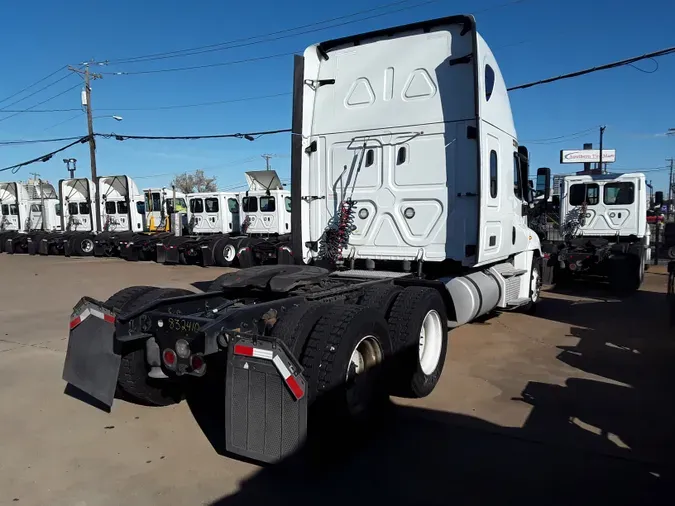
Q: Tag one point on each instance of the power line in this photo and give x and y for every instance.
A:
(620, 63)
(201, 104)
(31, 85)
(73, 109)
(560, 137)
(43, 102)
(251, 136)
(220, 45)
(37, 141)
(78, 115)
(249, 41)
(36, 92)
(44, 158)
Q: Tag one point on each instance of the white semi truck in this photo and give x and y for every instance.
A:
(409, 196)
(27, 210)
(603, 219)
(250, 228)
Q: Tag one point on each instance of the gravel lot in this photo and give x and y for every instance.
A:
(573, 405)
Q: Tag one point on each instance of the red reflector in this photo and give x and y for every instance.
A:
(240, 349)
(169, 357)
(573, 267)
(295, 387)
(197, 362)
(74, 322)
(109, 318)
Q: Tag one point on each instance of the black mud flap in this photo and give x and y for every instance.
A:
(99, 249)
(9, 246)
(43, 247)
(133, 251)
(171, 255)
(33, 246)
(265, 400)
(160, 251)
(67, 249)
(207, 256)
(91, 363)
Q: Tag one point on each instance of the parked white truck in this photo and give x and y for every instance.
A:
(27, 210)
(408, 195)
(603, 219)
(250, 228)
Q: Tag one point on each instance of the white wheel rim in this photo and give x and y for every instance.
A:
(87, 246)
(366, 354)
(534, 285)
(431, 342)
(229, 253)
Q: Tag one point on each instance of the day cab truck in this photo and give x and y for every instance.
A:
(162, 205)
(227, 228)
(603, 219)
(27, 212)
(408, 197)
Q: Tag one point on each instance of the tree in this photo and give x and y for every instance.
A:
(195, 183)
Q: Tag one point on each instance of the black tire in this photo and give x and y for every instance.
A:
(245, 255)
(531, 307)
(335, 392)
(120, 299)
(295, 326)
(671, 252)
(133, 378)
(380, 297)
(220, 255)
(285, 254)
(82, 245)
(406, 317)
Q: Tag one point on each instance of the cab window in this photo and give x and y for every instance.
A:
(110, 208)
(268, 204)
(619, 194)
(72, 208)
(84, 208)
(196, 206)
(5, 209)
(233, 205)
(156, 202)
(581, 192)
(36, 208)
(14, 209)
(517, 183)
(57, 209)
(287, 200)
(140, 207)
(249, 204)
(122, 207)
(211, 205)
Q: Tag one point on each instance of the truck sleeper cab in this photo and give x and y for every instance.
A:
(605, 232)
(408, 191)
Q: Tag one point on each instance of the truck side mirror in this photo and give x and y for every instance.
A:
(524, 171)
(658, 198)
(544, 182)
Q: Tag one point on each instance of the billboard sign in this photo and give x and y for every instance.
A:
(587, 155)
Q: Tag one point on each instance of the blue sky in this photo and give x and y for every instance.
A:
(533, 39)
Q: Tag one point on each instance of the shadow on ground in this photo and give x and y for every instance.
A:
(606, 440)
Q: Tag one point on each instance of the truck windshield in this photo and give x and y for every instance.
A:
(617, 194)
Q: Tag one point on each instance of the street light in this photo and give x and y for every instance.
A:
(116, 118)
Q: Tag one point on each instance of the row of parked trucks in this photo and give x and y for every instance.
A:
(160, 224)
(411, 215)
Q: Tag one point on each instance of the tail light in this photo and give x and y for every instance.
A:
(198, 364)
(170, 358)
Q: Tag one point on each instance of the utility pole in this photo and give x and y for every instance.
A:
(88, 76)
(267, 161)
(602, 132)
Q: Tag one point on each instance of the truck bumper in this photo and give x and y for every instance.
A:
(91, 364)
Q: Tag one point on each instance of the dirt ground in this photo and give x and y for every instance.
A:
(572, 406)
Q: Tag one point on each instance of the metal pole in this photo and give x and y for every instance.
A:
(602, 131)
(669, 205)
(92, 146)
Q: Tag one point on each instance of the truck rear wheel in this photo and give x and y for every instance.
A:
(343, 360)
(82, 245)
(380, 297)
(133, 378)
(418, 325)
(224, 252)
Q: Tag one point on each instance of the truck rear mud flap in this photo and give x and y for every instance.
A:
(265, 400)
(91, 363)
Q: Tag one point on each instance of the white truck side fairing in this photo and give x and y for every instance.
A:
(615, 204)
(9, 209)
(77, 205)
(414, 124)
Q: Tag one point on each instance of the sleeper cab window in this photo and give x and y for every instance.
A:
(489, 82)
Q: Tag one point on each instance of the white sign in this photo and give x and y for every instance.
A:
(587, 155)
